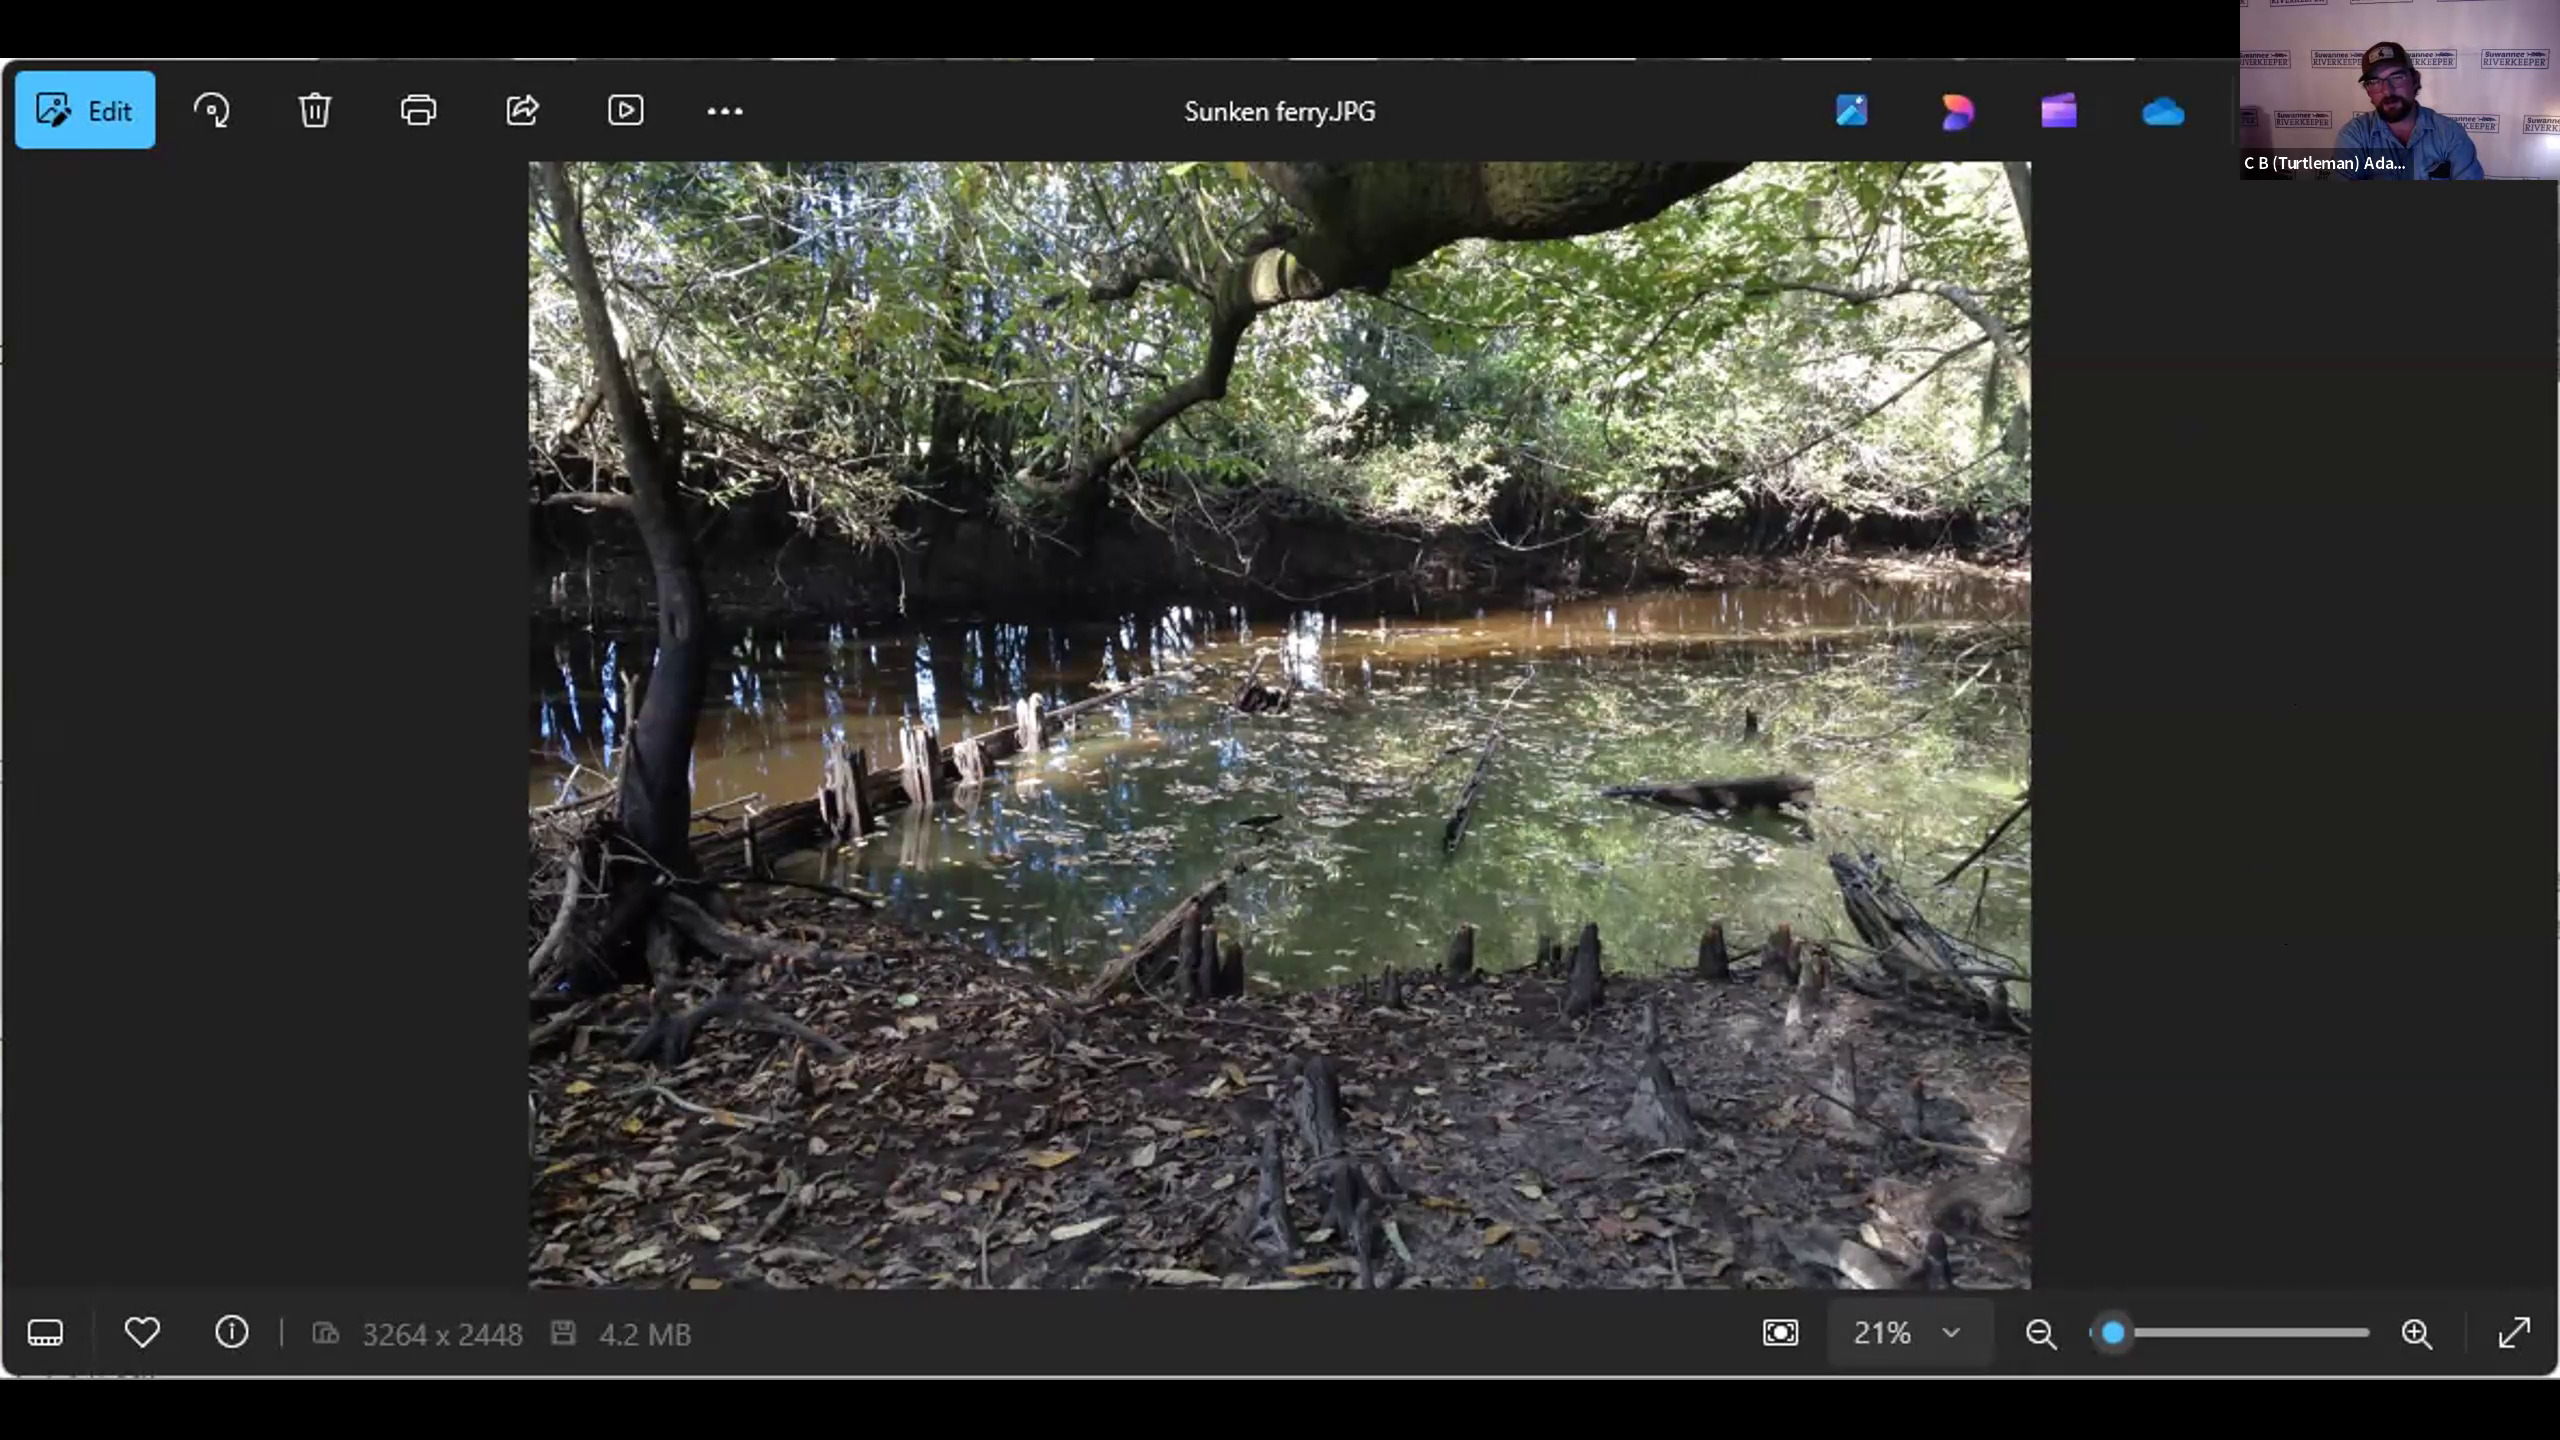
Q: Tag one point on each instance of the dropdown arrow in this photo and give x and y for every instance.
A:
(1952, 1331)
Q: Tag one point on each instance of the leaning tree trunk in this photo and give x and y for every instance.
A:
(655, 801)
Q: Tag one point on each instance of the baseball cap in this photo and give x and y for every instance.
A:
(2383, 54)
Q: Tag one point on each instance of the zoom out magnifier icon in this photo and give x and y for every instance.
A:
(2040, 1332)
(2415, 1333)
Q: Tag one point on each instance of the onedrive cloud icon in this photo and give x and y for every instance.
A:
(2163, 111)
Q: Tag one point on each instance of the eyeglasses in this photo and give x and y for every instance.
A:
(2399, 78)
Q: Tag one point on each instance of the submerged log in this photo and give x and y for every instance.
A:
(1245, 691)
(1155, 944)
(1457, 827)
(1752, 792)
(1461, 966)
(1582, 990)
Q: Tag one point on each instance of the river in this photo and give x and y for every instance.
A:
(1909, 702)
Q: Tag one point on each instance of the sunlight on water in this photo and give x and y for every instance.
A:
(1919, 743)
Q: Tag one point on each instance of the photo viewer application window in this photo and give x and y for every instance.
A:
(1038, 723)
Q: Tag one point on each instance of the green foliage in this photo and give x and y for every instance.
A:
(860, 331)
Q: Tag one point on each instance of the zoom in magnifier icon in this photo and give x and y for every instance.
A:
(2040, 1332)
(2415, 1332)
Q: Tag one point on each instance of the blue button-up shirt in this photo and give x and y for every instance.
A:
(2434, 141)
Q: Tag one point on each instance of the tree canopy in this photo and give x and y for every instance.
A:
(872, 336)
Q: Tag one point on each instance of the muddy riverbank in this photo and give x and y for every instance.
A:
(961, 1123)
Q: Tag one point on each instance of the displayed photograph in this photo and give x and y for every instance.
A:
(1279, 725)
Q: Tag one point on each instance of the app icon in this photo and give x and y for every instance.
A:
(1959, 111)
(1850, 110)
(2062, 112)
(2163, 111)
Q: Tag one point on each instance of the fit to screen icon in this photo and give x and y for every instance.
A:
(1778, 1332)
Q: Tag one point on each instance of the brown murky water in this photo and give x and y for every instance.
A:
(1920, 744)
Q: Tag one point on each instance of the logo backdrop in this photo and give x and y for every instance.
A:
(2487, 65)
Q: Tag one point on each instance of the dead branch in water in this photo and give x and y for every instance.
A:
(1456, 829)
(1122, 972)
(1984, 848)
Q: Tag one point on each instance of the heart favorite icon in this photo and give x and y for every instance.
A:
(142, 1330)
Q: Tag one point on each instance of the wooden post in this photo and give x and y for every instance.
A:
(857, 798)
(921, 763)
(1026, 724)
(971, 762)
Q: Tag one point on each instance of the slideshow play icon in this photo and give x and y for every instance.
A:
(626, 109)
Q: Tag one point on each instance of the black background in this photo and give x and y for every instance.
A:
(267, 569)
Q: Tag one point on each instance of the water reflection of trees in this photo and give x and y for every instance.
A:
(1919, 734)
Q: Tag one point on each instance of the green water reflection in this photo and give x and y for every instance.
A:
(1913, 718)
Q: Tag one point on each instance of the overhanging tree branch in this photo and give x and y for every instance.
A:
(1366, 221)
(1956, 295)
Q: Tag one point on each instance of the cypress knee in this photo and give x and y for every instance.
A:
(1713, 962)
